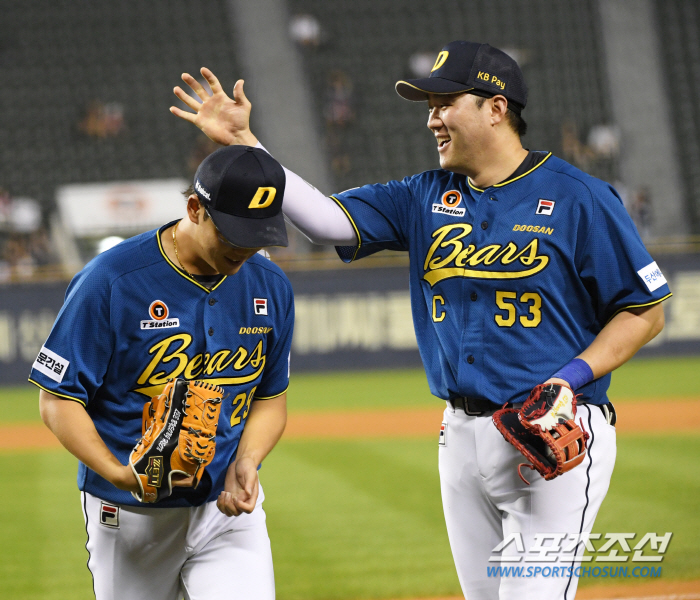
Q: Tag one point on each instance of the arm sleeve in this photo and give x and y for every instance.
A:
(74, 359)
(613, 263)
(316, 216)
(275, 378)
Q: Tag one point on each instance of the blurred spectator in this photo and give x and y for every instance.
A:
(25, 215)
(103, 120)
(575, 151)
(522, 56)
(305, 30)
(203, 147)
(604, 140)
(24, 242)
(5, 206)
(640, 211)
(338, 107)
(338, 111)
(41, 249)
(420, 64)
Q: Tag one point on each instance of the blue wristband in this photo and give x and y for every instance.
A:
(577, 373)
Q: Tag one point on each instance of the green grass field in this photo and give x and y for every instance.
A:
(354, 519)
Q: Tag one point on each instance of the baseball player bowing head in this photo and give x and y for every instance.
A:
(524, 271)
(165, 374)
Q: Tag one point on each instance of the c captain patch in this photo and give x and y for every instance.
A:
(109, 515)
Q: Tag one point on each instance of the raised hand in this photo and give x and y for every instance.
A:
(224, 120)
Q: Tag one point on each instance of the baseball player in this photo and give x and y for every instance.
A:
(523, 271)
(193, 300)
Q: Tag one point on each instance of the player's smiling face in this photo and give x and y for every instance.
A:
(460, 128)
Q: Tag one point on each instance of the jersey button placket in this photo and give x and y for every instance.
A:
(470, 359)
(212, 301)
(211, 331)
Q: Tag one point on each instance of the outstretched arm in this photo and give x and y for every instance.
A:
(226, 121)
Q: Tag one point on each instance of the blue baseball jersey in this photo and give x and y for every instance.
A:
(510, 283)
(131, 320)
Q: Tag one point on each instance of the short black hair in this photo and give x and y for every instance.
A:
(514, 120)
(190, 192)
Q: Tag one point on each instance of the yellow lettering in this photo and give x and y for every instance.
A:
(257, 356)
(516, 227)
(488, 255)
(217, 362)
(461, 259)
(440, 60)
(438, 262)
(260, 200)
(247, 404)
(437, 318)
(194, 367)
(528, 255)
(160, 356)
(550, 230)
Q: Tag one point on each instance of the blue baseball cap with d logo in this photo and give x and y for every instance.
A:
(242, 190)
(474, 68)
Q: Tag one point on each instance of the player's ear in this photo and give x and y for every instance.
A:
(499, 108)
(195, 210)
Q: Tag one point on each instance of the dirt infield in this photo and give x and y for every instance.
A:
(660, 417)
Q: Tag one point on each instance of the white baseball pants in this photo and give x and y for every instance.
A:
(485, 502)
(193, 553)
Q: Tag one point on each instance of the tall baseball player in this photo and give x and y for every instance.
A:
(523, 271)
(193, 304)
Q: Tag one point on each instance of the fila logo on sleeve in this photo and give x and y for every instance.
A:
(544, 207)
(260, 306)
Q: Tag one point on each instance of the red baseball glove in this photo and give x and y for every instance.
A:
(544, 431)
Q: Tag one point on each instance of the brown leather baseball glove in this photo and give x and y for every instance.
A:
(544, 431)
(178, 437)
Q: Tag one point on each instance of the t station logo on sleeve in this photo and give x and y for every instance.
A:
(159, 317)
(449, 204)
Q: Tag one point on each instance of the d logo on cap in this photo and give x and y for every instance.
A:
(440, 60)
(262, 201)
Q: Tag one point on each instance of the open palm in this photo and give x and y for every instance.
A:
(224, 120)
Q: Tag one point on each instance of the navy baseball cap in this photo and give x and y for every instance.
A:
(470, 67)
(242, 189)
